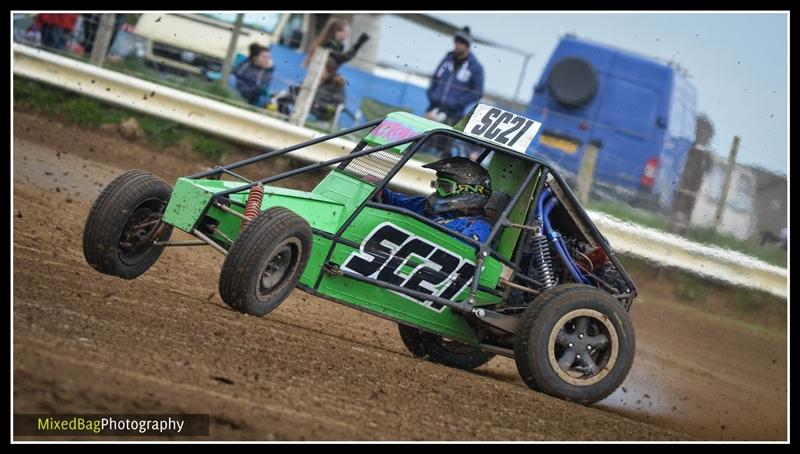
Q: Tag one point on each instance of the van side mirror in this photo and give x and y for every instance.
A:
(661, 122)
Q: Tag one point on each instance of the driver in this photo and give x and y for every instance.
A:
(462, 189)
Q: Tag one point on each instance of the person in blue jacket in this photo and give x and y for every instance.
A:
(456, 83)
(252, 77)
(462, 189)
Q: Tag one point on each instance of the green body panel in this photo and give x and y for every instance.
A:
(190, 198)
(388, 303)
(398, 126)
(315, 261)
(508, 174)
(345, 189)
(370, 218)
(187, 203)
(320, 213)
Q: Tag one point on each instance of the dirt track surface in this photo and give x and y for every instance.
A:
(312, 369)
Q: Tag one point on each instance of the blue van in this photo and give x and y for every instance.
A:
(640, 112)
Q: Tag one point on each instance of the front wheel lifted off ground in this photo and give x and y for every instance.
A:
(123, 224)
(265, 262)
(575, 342)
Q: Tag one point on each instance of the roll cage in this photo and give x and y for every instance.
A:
(517, 279)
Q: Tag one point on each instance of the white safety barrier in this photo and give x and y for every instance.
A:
(675, 251)
(251, 128)
(217, 118)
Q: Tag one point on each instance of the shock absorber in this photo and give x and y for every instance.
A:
(542, 262)
(253, 205)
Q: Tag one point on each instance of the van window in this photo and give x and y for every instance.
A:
(629, 107)
(264, 22)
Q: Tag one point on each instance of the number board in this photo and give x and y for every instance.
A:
(501, 127)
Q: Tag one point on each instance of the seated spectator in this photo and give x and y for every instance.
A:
(330, 94)
(252, 77)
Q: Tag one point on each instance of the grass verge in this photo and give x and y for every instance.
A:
(82, 110)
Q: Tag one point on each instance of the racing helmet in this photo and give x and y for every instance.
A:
(461, 184)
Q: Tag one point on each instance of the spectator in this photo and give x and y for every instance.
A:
(456, 83)
(251, 78)
(333, 37)
(330, 93)
(55, 29)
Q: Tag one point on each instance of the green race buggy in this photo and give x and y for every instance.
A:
(544, 288)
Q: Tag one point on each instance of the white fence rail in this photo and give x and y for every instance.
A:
(247, 127)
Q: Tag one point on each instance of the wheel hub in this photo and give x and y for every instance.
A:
(142, 227)
(278, 266)
(583, 347)
(276, 269)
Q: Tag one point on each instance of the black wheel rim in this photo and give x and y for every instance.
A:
(583, 347)
(281, 265)
(140, 231)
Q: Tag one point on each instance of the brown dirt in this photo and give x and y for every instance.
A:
(312, 369)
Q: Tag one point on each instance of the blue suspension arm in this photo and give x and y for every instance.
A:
(555, 238)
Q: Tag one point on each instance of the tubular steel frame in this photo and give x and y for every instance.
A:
(482, 250)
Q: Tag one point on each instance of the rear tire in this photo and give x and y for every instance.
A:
(265, 262)
(113, 242)
(575, 342)
(436, 349)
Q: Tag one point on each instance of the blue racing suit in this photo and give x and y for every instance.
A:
(475, 227)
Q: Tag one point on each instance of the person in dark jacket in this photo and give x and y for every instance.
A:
(456, 83)
(253, 75)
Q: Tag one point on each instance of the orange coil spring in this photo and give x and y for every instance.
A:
(253, 205)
